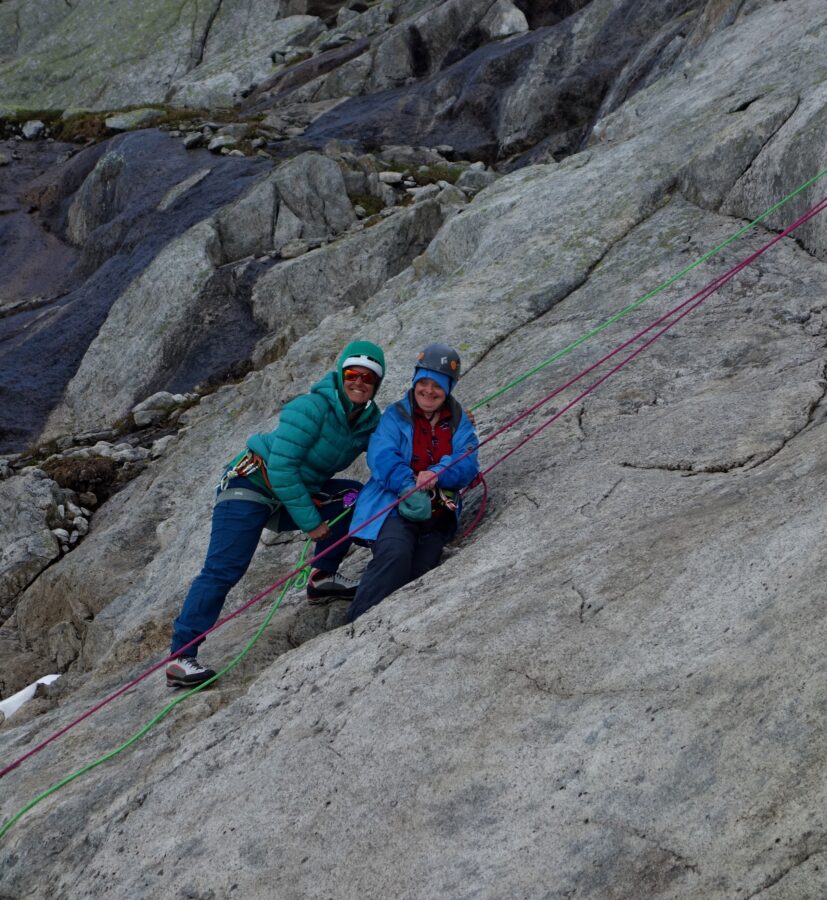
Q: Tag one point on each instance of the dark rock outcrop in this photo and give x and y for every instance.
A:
(496, 102)
(108, 199)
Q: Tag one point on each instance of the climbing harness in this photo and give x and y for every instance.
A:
(666, 323)
(244, 465)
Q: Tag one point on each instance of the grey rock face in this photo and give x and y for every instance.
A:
(244, 42)
(304, 198)
(311, 187)
(612, 688)
(28, 508)
(163, 50)
(291, 299)
(454, 106)
(115, 211)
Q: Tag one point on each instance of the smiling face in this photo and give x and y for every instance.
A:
(359, 384)
(429, 395)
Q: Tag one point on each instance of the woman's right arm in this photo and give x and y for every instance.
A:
(300, 425)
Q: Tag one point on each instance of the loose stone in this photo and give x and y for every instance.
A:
(32, 129)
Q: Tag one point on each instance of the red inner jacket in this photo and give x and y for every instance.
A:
(430, 444)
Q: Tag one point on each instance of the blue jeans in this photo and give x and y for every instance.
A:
(236, 530)
(403, 550)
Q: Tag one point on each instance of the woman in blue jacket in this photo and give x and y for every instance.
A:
(418, 443)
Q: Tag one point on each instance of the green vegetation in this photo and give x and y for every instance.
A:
(370, 204)
(437, 172)
(86, 126)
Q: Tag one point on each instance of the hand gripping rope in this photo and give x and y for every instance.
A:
(667, 321)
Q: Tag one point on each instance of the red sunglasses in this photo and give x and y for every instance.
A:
(368, 377)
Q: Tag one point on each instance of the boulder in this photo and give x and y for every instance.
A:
(33, 129)
(156, 407)
(474, 180)
(28, 512)
(292, 298)
(135, 118)
(504, 19)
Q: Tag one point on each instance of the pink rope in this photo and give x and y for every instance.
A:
(683, 308)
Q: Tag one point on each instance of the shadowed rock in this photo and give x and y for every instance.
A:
(503, 99)
(116, 216)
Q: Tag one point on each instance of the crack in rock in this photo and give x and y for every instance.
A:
(548, 303)
(771, 137)
(197, 55)
(798, 859)
(679, 858)
(527, 497)
(747, 463)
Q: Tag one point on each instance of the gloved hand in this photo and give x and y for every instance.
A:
(417, 507)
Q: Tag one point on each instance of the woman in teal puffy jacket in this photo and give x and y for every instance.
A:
(284, 479)
(425, 441)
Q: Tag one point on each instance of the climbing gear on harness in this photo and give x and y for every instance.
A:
(239, 493)
(347, 496)
(444, 497)
(186, 671)
(322, 587)
(439, 358)
(244, 465)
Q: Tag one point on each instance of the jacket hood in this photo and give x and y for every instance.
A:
(373, 354)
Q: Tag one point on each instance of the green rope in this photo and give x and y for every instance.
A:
(298, 580)
(641, 300)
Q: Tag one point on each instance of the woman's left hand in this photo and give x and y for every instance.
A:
(425, 480)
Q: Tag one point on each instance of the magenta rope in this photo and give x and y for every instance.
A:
(683, 309)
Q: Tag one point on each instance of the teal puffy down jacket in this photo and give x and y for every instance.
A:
(311, 443)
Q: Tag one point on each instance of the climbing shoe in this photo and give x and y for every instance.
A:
(322, 587)
(186, 671)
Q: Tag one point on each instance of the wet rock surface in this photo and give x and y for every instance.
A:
(113, 214)
(501, 99)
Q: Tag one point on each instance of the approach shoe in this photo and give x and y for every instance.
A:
(322, 587)
(186, 671)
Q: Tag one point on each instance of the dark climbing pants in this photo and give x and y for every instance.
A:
(236, 530)
(402, 551)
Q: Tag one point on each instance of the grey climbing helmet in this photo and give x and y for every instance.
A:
(440, 358)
